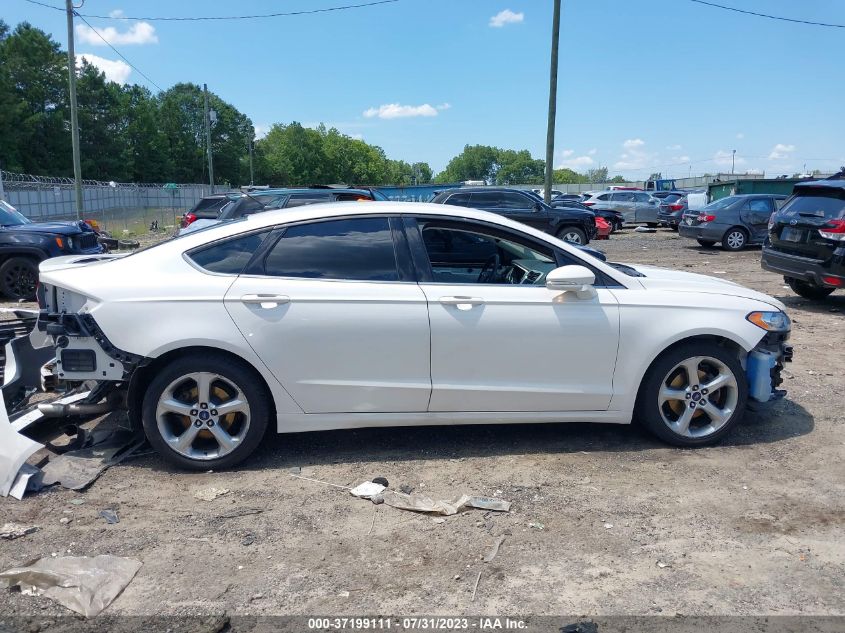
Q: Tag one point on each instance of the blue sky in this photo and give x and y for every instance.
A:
(645, 85)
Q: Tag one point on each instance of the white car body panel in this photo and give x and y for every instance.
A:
(196, 225)
(355, 354)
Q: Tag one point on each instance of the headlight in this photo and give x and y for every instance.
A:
(771, 321)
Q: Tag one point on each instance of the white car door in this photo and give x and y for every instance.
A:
(506, 342)
(333, 317)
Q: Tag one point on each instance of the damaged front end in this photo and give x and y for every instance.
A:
(764, 364)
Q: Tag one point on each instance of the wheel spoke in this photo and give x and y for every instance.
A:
(669, 393)
(184, 441)
(170, 405)
(681, 425)
(203, 381)
(226, 442)
(691, 368)
(235, 405)
(717, 416)
(722, 380)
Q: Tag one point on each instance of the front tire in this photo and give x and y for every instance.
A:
(693, 394)
(807, 290)
(572, 234)
(205, 411)
(19, 278)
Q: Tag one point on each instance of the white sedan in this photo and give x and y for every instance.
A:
(342, 316)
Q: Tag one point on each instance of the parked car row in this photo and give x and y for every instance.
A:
(735, 221)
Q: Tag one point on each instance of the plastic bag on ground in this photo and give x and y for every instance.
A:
(420, 503)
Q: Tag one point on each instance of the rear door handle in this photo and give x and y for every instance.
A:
(265, 300)
(462, 303)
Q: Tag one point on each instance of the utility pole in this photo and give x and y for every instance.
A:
(550, 130)
(733, 161)
(251, 175)
(74, 118)
(207, 136)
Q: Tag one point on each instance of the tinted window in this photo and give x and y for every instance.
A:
(724, 203)
(642, 197)
(604, 196)
(459, 199)
(301, 199)
(515, 201)
(671, 198)
(359, 249)
(349, 197)
(622, 197)
(816, 202)
(760, 204)
(485, 200)
(229, 257)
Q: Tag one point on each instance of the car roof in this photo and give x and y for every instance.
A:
(822, 184)
(485, 190)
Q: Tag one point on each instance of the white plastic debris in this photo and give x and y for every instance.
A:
(11, 531)
(367, 490)
(210, 494)
(420, 503)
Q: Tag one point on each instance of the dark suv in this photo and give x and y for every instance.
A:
(24, 244)
(571, 225)
(806, 241)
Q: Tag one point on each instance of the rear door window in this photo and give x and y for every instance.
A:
(359, 249)
(514, 201)
(485, 200)
(458, 199)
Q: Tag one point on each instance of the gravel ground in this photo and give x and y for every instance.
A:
(605, 520)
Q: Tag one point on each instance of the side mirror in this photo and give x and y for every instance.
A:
(578, 279)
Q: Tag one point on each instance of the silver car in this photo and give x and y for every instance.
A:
(636, 207)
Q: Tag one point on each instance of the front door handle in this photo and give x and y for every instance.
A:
(462, 303)
(265, 300)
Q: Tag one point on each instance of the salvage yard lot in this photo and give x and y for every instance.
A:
(604, 519)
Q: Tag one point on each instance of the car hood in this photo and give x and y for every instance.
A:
(679, 281)
(57, 228)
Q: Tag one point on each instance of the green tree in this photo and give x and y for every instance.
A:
(567, 176)
(148, 159)
(475, 162)
(422, 173)
(519, 168)
(618, 179)
(597, 175)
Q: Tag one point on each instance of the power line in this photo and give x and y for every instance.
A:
(766, 15)
(118, 52)
(223, 17)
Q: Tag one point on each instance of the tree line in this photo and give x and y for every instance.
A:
(129, 134)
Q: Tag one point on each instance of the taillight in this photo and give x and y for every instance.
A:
(833, 230)
(676, 207)
(703, 217)
(834, 281)
(188, 219)
(589, 204)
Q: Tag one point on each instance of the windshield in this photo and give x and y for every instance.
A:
(9, 216)
(818, 203)
(724, 203)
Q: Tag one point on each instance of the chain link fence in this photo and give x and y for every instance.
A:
(118, 207)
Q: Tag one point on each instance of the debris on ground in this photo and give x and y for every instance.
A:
(406, 489)
(368, 489)
(475, 588)
(110, 516)
(381, 480)
(644, 229)
(82, 584)
(11, 531)
(421, 503)
(494, 550)
(242, 512)
(537, 526)
(210, 494)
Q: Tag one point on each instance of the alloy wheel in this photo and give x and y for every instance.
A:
(572, 236)
(203, 416)
(698, 396)
(21, 280)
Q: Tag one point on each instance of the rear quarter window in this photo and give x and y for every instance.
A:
(228, 257)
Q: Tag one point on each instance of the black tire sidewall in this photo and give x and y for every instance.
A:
(808, 290)
(572, 229)
(239, 372)
(10, 263)
(647, 410)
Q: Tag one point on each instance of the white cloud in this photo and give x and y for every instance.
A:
(261, 130)
(592, 152)
(633, 143)
(397, 111)
(567, 153)
(357, 136)
(506, 17)
(673, 148)
(140, 33)
(117, 13)
(115, 70)
(635, 157)
(781, 152)
(740, 135)
(578, 162)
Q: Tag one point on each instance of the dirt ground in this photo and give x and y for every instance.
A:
(604, 519)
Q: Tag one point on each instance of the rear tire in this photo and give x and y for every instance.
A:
(706, 243)
(735, 239)
(180, 411)
(572, 234)
(807, 290)
(693, 410)
(19, 278)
